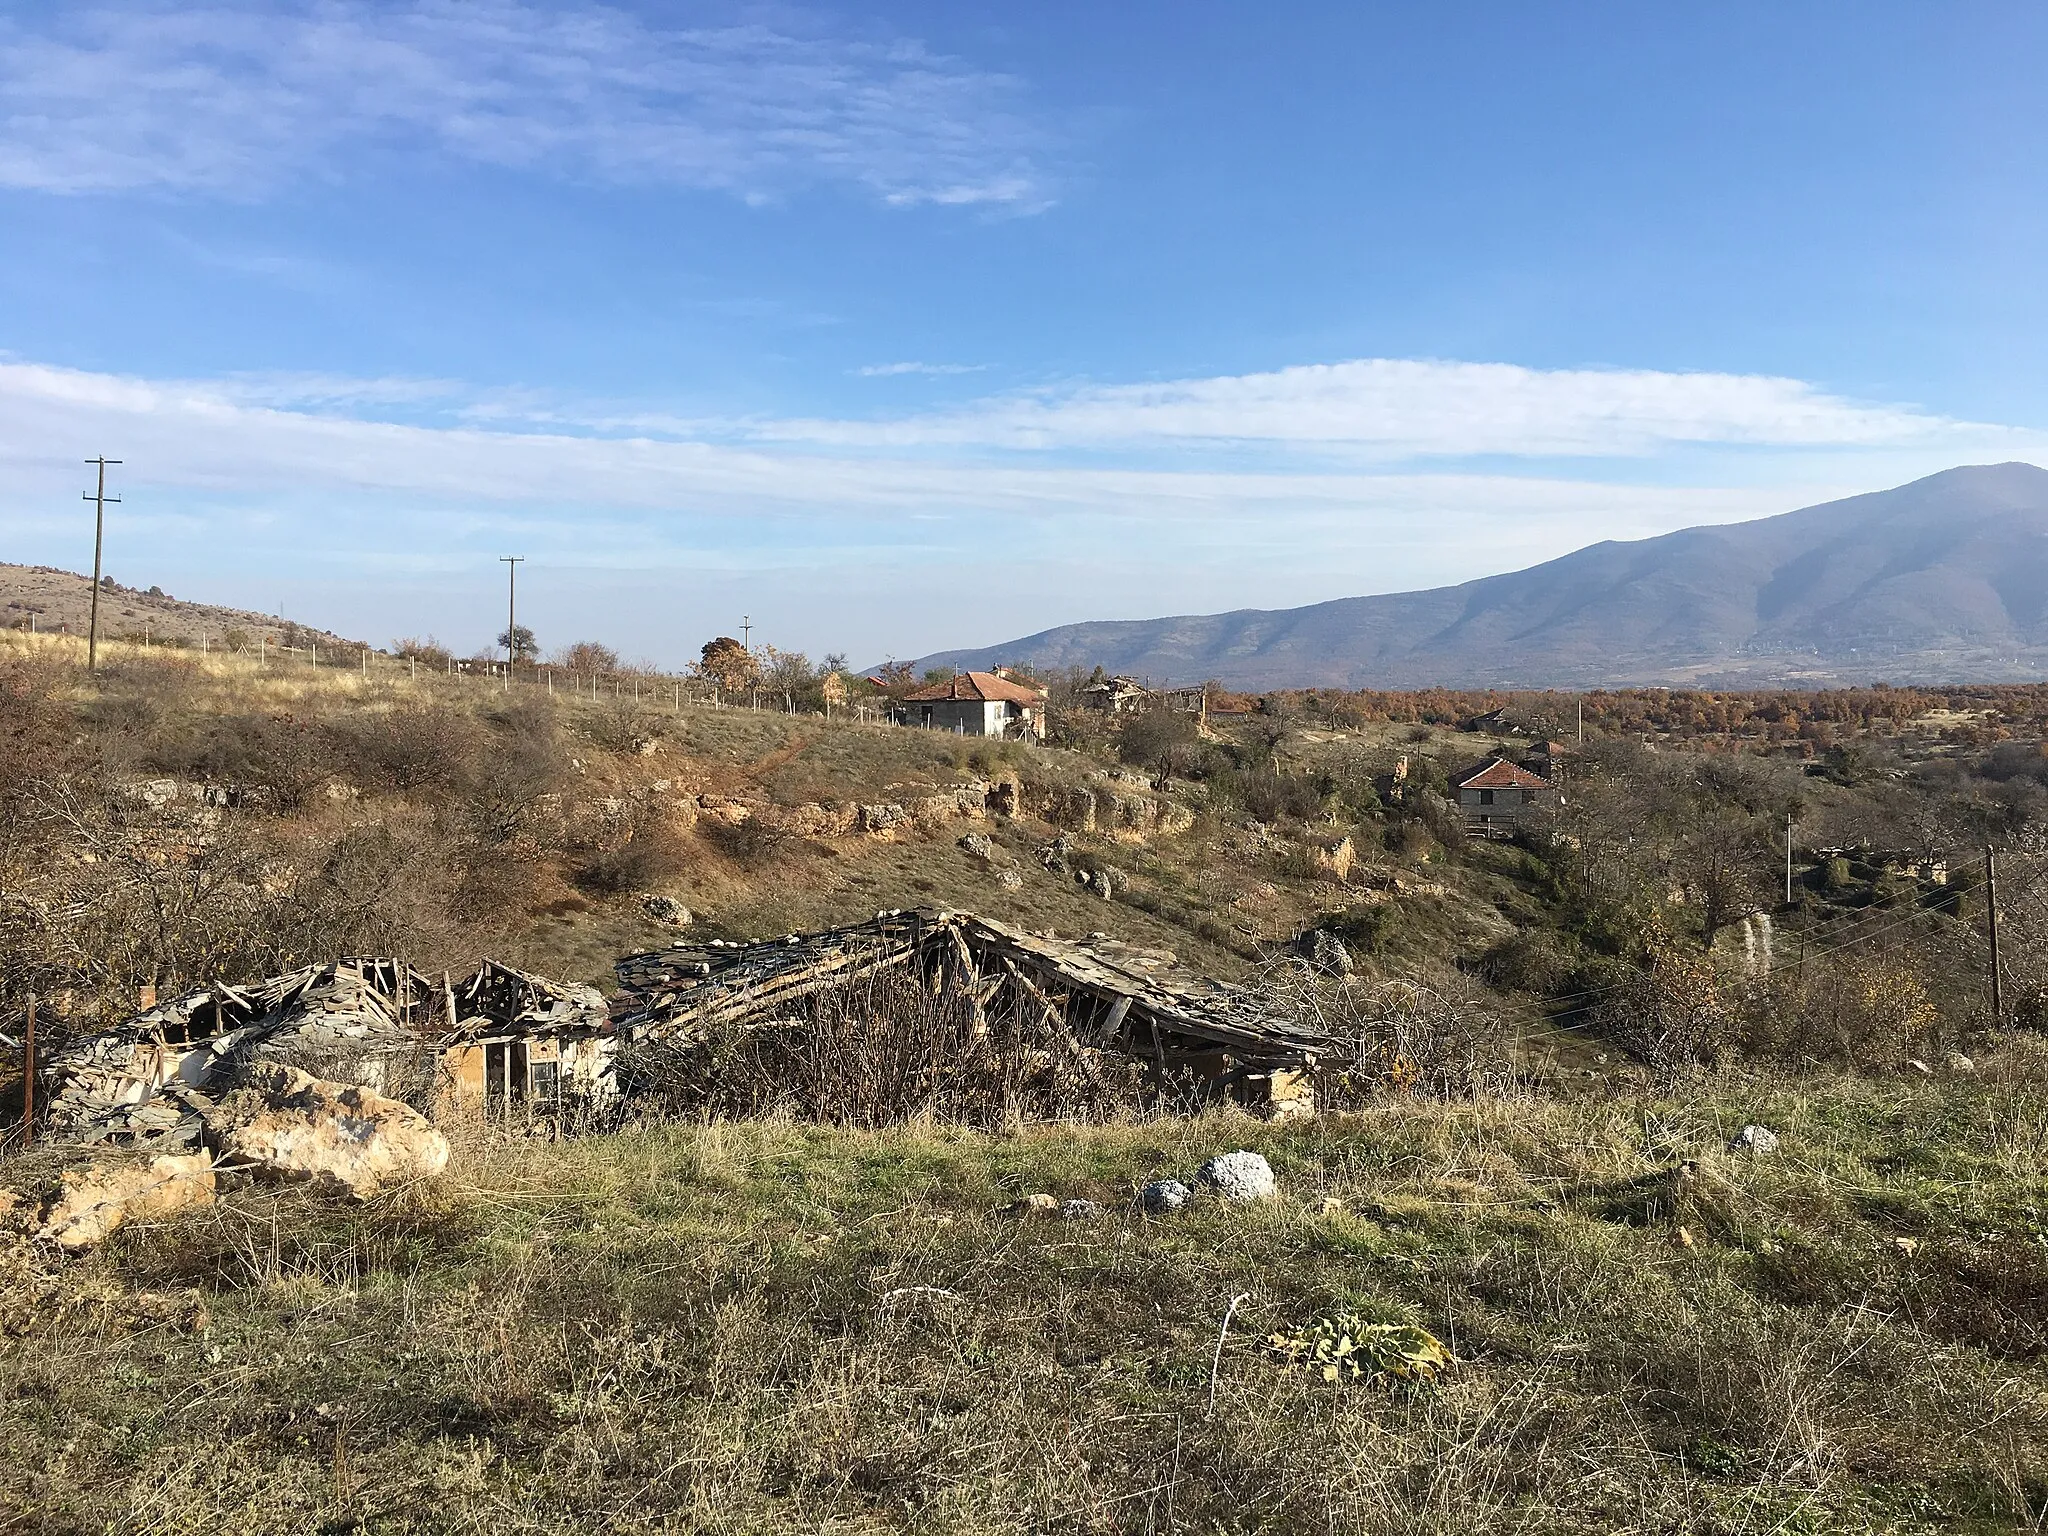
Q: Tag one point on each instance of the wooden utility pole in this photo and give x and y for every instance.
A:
(28, 1078)
(1788, 858)
(99, 499)
(511, 564)
(1991, 903)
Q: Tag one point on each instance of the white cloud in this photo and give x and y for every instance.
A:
(1397, 406)
(379, 488)
(229, 99)
(934, 370)
(266, 436)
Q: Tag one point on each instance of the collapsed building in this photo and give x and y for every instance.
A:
(497, 1039)
(1095, 993)
(507, 1043)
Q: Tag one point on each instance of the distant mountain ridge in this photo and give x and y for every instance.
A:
(1941, 580)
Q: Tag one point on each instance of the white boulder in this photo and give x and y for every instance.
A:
(1239, 1177)
(339, 1136)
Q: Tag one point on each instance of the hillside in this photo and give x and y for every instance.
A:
(52, 601)
(795, 1319)
(1944, 579)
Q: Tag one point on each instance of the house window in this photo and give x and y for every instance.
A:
(547, 1083)
(1486, 797)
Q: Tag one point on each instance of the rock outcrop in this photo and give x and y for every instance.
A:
(338, 1136)
(100, 1197)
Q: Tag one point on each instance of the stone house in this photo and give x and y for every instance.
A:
(1497, 796)
(977, 704)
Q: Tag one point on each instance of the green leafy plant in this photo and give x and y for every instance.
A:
(1345, 1348)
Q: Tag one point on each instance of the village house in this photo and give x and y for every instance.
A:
(977, 704)
(1497, 796)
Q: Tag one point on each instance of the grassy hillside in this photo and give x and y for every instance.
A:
(40, 599)
(775, 1327)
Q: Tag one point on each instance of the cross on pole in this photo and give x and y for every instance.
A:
(99, 499)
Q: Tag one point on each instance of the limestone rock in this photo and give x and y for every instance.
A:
(882, 820)
(1328, 953)
(1035, 1205)
(1755, 1139)
(978, 846)
(1009, 880)
(1239, 1177)
(1162, 1197)
(338, 1136)
(102, 1196)
(666, 909)
(1920, 1067)
(1956, 1061)
(1079, 1210)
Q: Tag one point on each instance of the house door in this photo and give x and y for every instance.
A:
(504, 1075)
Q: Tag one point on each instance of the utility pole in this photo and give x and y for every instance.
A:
(1582, 733)
(1788, 858)
(1991, 900)
(511, 564)
(99, 499)
(747, 633)
(28, 1078)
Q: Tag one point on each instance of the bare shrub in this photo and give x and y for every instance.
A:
(287, 754)
(632, 847)
(886, 1050)
(1871, 1010)
(418, 750)
(101, 892)
(1398, 1037)
(1670, 1016)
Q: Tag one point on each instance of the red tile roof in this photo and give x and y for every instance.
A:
(1499, 773)
(984, 686)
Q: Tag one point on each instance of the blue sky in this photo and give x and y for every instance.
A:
(914, 326)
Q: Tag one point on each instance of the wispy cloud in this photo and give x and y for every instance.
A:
(230, 99)
(934, 370)
(1406, 407)
(259, 479)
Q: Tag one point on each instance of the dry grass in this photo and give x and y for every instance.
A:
(773, 1327)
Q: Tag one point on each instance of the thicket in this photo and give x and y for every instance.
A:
(148, 841)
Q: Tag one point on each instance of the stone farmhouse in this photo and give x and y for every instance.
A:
(978, 704)
(1497, 796)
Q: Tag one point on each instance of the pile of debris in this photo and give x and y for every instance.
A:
(1097, 992)
(380, 1023)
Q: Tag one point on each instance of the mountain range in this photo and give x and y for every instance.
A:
(1941, 580)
